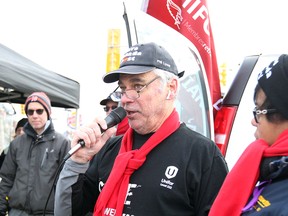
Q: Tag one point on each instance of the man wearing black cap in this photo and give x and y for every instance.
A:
(108, 104)
(111, 104)
(258, 182)
(158, 167)
(30, 165)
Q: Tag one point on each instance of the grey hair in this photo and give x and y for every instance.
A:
(166, 76)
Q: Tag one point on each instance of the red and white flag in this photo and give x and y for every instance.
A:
(191, 19)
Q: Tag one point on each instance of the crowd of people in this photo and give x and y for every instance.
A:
(151, 163)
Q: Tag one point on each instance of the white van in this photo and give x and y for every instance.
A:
(194, 102)
(233, 128)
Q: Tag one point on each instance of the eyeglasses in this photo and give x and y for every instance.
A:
(132, 94)
(114, 98)
(107, 108)
(264, 112)
(30, 112)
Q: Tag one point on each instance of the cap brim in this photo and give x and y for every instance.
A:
(181, 74)
(104, 101)
(113, 76)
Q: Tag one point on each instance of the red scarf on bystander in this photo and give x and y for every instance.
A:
(241, 180)
(113, 195)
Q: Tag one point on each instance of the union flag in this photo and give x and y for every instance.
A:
(191, 19)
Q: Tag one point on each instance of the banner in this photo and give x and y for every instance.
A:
(191, 19)
(113, 50)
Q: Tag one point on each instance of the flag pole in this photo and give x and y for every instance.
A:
(127, 26)
(135, 32)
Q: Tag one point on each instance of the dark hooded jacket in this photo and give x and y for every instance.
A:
(273, 198)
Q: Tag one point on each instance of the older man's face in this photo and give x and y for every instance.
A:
(146, 113)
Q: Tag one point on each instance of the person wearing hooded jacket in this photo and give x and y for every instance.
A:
(29, 169)
(258, 182)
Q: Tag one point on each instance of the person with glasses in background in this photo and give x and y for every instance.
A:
(108, 104)
(258, 182)
(111, 103)
(29, 168)
(158, 167)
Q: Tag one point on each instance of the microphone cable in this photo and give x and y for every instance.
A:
(56, 177)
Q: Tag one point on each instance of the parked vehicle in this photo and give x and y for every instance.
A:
(233, 128)
(194, 101)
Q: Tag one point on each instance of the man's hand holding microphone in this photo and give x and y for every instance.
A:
(88, 140)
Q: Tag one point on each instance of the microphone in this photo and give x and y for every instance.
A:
(114, 118)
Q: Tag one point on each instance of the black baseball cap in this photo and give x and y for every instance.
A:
(104, 101)
(142, 58)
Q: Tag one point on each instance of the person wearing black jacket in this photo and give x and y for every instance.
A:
(29, 168)
(158, 167)
(258, 182)
(19, 129)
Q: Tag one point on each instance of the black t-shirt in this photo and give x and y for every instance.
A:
(181, 176)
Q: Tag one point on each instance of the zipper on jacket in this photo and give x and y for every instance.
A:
(45, 157)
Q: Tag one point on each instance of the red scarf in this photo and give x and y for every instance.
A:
(113, 195)
(122, 127)
(243, 177)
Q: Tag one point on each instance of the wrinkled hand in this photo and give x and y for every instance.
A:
(93, 138)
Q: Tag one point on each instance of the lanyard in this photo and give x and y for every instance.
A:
(256, 193)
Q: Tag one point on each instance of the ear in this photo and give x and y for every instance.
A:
(172, 85)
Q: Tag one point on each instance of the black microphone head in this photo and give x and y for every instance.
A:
(115, 116)
(119, 113)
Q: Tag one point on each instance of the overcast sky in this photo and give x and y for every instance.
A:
(70, 36)
(248, 27)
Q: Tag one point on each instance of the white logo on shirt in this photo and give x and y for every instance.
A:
(171, 172)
